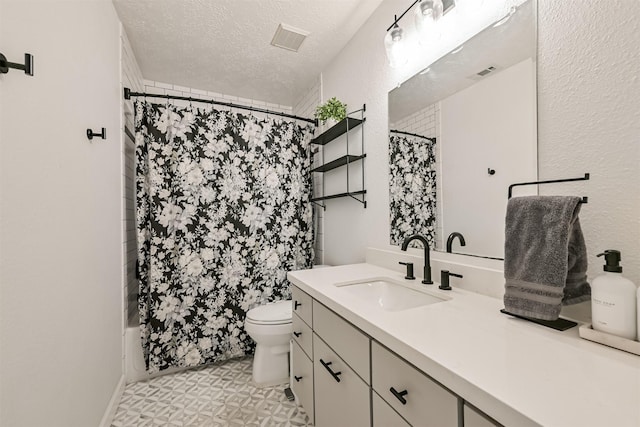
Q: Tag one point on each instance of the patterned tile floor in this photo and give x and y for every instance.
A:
(218, 395)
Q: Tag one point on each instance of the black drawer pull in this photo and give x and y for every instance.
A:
(297, 378)
(399, 395)
(297, 334)
(296, 304)
(333, 374)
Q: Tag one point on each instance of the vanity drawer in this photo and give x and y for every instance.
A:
(426, 403)
(351, 344)
(301, 333)
(341, 398)
(301, 304)
(384, 416)
(302, 379)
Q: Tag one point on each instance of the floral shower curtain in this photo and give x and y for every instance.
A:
(223, 212)
(412, 188)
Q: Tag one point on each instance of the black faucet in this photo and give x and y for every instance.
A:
(427, 261)
(452, 237)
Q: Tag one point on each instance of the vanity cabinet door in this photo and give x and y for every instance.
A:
(302, 379)
(344, 338)
(384, 415)
(301, 305)
(301, 333)
(420, 400)
(341, 397)
(473, 418)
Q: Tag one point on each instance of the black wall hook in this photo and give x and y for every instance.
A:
(91, 134)
(491, 171)
(27, 66)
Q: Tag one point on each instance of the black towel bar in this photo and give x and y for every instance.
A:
(552, 181)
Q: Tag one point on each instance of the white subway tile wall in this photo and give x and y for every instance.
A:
(131, 77)
(426, 122)
(306, 107)
(160, 88)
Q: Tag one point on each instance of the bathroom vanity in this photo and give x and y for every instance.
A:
(451, 359)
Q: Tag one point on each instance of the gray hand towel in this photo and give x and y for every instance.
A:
(545, 259)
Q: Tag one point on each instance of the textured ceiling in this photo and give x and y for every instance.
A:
(224, 45)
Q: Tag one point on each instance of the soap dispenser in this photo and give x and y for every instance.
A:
(613, 299)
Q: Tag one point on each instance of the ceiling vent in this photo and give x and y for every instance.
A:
(483, 73)
(288, 37)
(486, 71)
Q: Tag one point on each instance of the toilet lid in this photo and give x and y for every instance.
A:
(276, 312)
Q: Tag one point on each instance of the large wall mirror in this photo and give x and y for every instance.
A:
(460, 132)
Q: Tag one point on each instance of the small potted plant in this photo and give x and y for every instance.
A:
(331, 112)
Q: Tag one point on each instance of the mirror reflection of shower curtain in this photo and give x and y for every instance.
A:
(222, 212)
(412, 188)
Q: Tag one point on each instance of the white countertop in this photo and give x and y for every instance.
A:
(517, 372)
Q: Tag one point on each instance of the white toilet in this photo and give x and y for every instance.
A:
(270, 327)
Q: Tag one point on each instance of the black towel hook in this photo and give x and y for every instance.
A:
(27, 66)
(91, 134)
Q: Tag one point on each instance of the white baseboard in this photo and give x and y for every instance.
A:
(112, 407)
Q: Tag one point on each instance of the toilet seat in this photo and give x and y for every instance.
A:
(276, 313)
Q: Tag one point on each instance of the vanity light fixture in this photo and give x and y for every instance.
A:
(395, 45)
(426, 13)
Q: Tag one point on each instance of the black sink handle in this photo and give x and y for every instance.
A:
(399, 395)
(335, 375)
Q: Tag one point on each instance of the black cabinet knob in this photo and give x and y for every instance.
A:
(297, 334)
(297, 378)
(296, 304)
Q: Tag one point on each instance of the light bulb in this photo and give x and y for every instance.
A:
(395, 45)
(426, 14)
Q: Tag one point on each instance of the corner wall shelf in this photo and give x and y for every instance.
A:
(336, 196)
(336, 130)
(350, 158)
(342, 128)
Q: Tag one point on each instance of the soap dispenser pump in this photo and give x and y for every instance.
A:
(613, 299)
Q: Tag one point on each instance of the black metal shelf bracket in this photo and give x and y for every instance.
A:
(552, 181)
(91, 134)
(27, 67)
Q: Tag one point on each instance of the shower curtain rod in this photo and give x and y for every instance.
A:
(128, 94)
(412, 134)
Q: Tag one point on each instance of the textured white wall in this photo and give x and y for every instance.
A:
(60, 218)
(588, 118)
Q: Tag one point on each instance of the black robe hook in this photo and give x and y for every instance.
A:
(91, 134)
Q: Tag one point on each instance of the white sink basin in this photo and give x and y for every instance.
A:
(389, 295)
